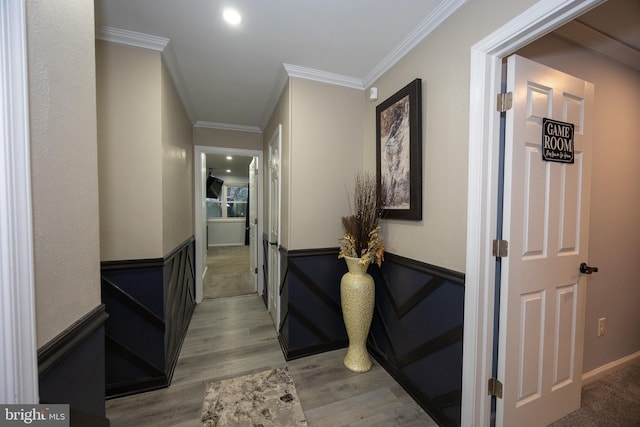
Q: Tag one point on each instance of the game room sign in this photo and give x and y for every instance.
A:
(557, 141)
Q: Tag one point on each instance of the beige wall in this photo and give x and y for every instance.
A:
(64, 163)
(614, 243)
(281, 116)
(227, 138)
(177, 168)
(130, 151)
(145, 153)
(442, 62)
(326, 147)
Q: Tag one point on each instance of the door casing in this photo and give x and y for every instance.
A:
(254, 214)
(18, 360)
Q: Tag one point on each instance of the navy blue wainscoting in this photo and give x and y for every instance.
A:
(310, 302)
(71, 369)
(416, 333)
(150, 303)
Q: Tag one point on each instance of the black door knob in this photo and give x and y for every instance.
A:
(584, 268)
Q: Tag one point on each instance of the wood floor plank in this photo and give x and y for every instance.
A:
(231, 337)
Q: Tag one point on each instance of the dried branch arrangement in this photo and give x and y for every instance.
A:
(362, 237)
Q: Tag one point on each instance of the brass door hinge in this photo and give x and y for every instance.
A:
(495, 388)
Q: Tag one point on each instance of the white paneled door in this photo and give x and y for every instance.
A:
(546, 224)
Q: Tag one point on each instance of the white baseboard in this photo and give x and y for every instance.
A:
(598, 373)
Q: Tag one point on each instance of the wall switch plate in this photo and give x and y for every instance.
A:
(602, 326)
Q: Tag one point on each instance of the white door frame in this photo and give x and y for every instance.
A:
(485, 78)
(200, 215)
(255, 241)
(18, 360)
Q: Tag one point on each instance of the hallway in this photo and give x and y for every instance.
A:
(230, 337)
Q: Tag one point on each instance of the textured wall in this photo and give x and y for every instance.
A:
(130, 151)
(614, 241)
(177, 168)
(64, 162)
(326, 152)
(441, 60)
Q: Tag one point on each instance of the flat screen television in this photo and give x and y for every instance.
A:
(214, 187)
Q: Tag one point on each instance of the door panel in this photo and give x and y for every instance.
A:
(566, 316)
(546, 217)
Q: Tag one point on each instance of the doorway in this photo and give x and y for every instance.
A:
(222, 210)
(228, 193)
(484, 128)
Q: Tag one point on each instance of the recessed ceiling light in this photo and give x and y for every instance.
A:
(231, 16)
(228, 170)
(229, 157)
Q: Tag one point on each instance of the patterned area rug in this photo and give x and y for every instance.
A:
(267, 399)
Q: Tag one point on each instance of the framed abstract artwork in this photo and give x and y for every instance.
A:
(399, 152)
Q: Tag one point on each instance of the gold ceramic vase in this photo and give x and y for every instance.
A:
(357, 293)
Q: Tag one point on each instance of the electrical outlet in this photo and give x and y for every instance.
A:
(602, 326)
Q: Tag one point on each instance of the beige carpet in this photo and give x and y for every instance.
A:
(267, 399)
(612, 401)
(228, 272)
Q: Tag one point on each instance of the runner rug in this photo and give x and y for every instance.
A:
(266, 399)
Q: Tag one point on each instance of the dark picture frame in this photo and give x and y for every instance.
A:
(399, 152)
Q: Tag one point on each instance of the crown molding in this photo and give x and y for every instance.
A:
(426, 26)
(171, 62)
(227, 126)
(160, 44)
(445, 9)
(323, 76)
(281, 81)
(590, 38)
(131, 38)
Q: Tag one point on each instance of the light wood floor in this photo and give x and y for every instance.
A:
(229, 337)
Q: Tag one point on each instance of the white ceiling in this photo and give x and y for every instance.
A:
(237, 165)
(230, 77)
(229, 74)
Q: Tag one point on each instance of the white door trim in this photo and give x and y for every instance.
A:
(200, 216)
(18, 360)
(485, 75)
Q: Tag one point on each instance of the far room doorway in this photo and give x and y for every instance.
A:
(228, 197)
